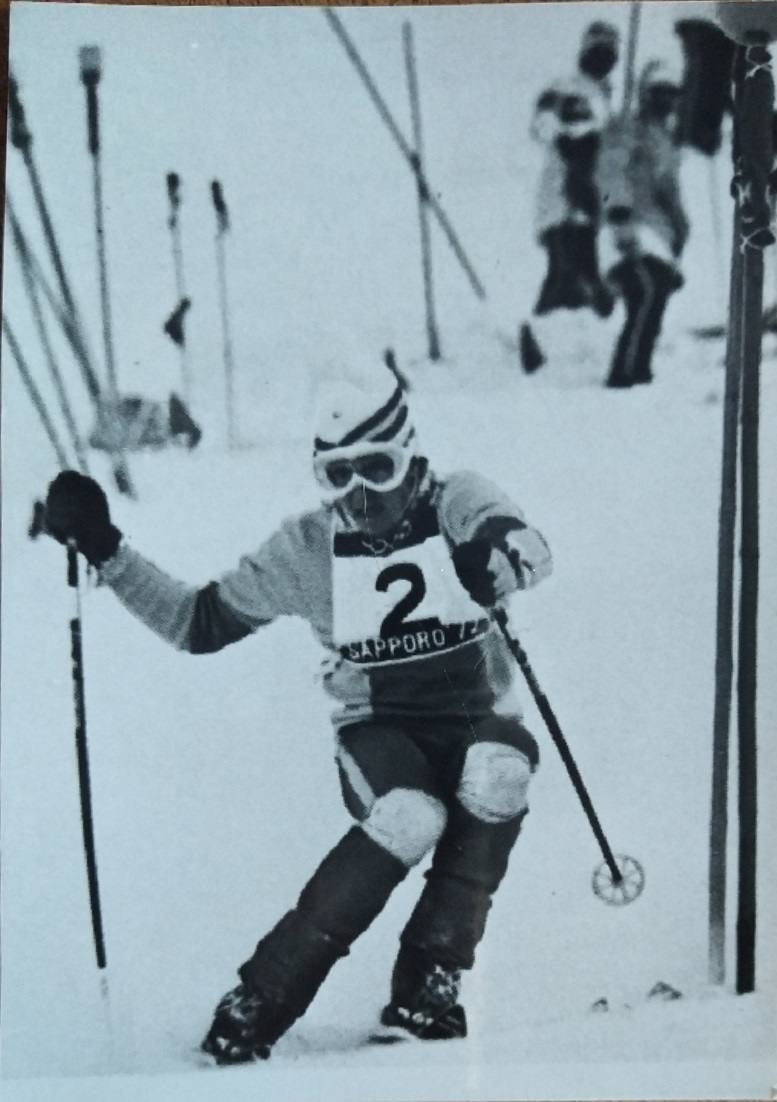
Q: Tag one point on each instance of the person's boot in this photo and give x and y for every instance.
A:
(424, 1000)
(245, 1026)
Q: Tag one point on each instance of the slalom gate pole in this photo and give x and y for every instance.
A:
(404, 146)
(183, 304)
(753, 109)
(35, 395)
(417, 163)
(20, 245)
(57, 307)
(724, 631)
(21, 139)
(554, 728)
(222, 229)
(90, 66)
(635, 13)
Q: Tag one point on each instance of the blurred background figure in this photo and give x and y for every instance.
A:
(135, 423)
(568, 120)
(645, 226)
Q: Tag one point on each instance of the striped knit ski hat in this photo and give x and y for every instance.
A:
(350, 413)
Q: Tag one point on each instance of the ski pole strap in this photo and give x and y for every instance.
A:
(499, 616)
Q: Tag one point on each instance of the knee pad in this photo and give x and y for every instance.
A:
(406, 823)
(494, 782)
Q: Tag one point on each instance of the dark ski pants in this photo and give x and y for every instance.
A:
(573, 279)
(442, 784)
(645, 284)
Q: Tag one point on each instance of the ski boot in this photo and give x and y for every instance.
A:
(431, 1011)
(245, 1027)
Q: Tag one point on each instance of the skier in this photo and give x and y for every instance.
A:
(568, 119)
(638, 179)
(396, 572)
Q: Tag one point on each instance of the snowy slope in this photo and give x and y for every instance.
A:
(215, 792)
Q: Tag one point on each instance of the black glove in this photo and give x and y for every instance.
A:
(77, 509)
(470, 561)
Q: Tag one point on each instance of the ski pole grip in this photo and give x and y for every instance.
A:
(89, 57)
(72, 564)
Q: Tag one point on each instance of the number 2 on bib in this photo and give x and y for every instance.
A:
(401, 572)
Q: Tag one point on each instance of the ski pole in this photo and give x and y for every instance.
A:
(22, 251)
(404, 146)
(222, 228)
(89, 57)
(174, 326)
(619, 880)
(432, 333)
(82, 754)
(35, 395)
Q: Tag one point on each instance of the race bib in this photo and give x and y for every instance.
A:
(403, 602)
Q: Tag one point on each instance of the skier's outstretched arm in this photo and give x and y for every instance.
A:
(494, 550)
(198, 620)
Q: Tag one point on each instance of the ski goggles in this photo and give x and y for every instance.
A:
(381, 467)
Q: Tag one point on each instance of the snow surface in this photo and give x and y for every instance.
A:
(215, 793)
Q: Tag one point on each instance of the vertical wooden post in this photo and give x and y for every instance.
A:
(724, 632)
(753, 108)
